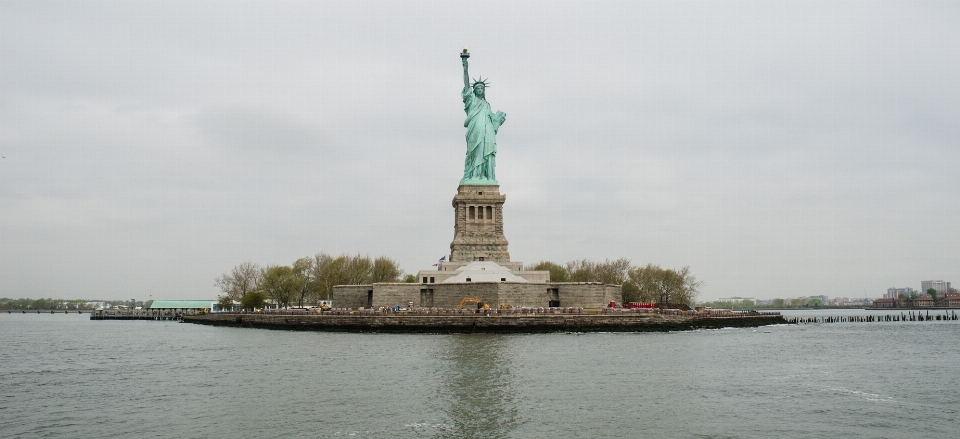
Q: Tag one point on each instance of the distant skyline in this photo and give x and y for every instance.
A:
(778, 148)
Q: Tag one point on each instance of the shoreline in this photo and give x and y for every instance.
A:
(928, 308)
(484, 324)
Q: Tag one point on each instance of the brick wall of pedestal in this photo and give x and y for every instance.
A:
(478, 225)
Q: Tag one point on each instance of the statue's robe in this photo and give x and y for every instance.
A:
(482, 125)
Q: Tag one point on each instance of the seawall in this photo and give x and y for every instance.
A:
(482, 323)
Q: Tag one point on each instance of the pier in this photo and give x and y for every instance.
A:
(902, 317)
(145, 314)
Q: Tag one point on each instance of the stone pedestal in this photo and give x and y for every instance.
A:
(478, 230)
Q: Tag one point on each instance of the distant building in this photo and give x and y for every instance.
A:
(951, 301)
(887, 302)
(182, 304)
(737, 299)
(923, 301)
(896, 293)
(943, 288)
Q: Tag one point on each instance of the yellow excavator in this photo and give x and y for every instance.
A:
(480, 305)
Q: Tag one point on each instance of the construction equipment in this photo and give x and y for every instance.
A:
(466, 300)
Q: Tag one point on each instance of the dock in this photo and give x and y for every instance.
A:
(145, 314)
(949, 315)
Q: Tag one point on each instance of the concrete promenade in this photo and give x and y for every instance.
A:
(516, 323)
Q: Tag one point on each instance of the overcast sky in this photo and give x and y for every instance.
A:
(779, 149)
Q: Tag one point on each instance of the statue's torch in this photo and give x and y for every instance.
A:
(465, 54)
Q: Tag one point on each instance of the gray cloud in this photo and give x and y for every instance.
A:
(778, 148)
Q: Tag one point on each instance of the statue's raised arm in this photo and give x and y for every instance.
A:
(466, 76)
(482, 125)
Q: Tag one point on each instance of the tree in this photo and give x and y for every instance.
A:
(690, 288)
(320, 262)
(666, 284)
(612, 272)
(280, 284)
(225, 303)
(608, 272)
(328, 271)
(303, 272)
(651, 283)
(385, 270)
(581, 271)
(558, 273)
(357, 270)
(409, 278)
(933, 294)
(778, 303)
(631, 292)
(240, 280)
(253, 300)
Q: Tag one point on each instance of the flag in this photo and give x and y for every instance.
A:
(444, 258)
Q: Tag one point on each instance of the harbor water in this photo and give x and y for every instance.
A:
(64, 375)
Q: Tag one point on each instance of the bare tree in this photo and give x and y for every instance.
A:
(690, 289)
(241, 280)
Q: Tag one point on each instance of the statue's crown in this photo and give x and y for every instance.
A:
(481, 81)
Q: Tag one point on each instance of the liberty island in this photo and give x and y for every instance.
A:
(479, 271)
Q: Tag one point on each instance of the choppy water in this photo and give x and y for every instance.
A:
(65, 376)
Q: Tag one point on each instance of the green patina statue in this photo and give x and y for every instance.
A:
(482, 125)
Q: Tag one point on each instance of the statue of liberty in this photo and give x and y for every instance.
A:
(482, 125)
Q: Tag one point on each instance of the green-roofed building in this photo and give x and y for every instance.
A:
(183, 304)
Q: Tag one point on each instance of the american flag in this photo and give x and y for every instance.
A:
(444, 258)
